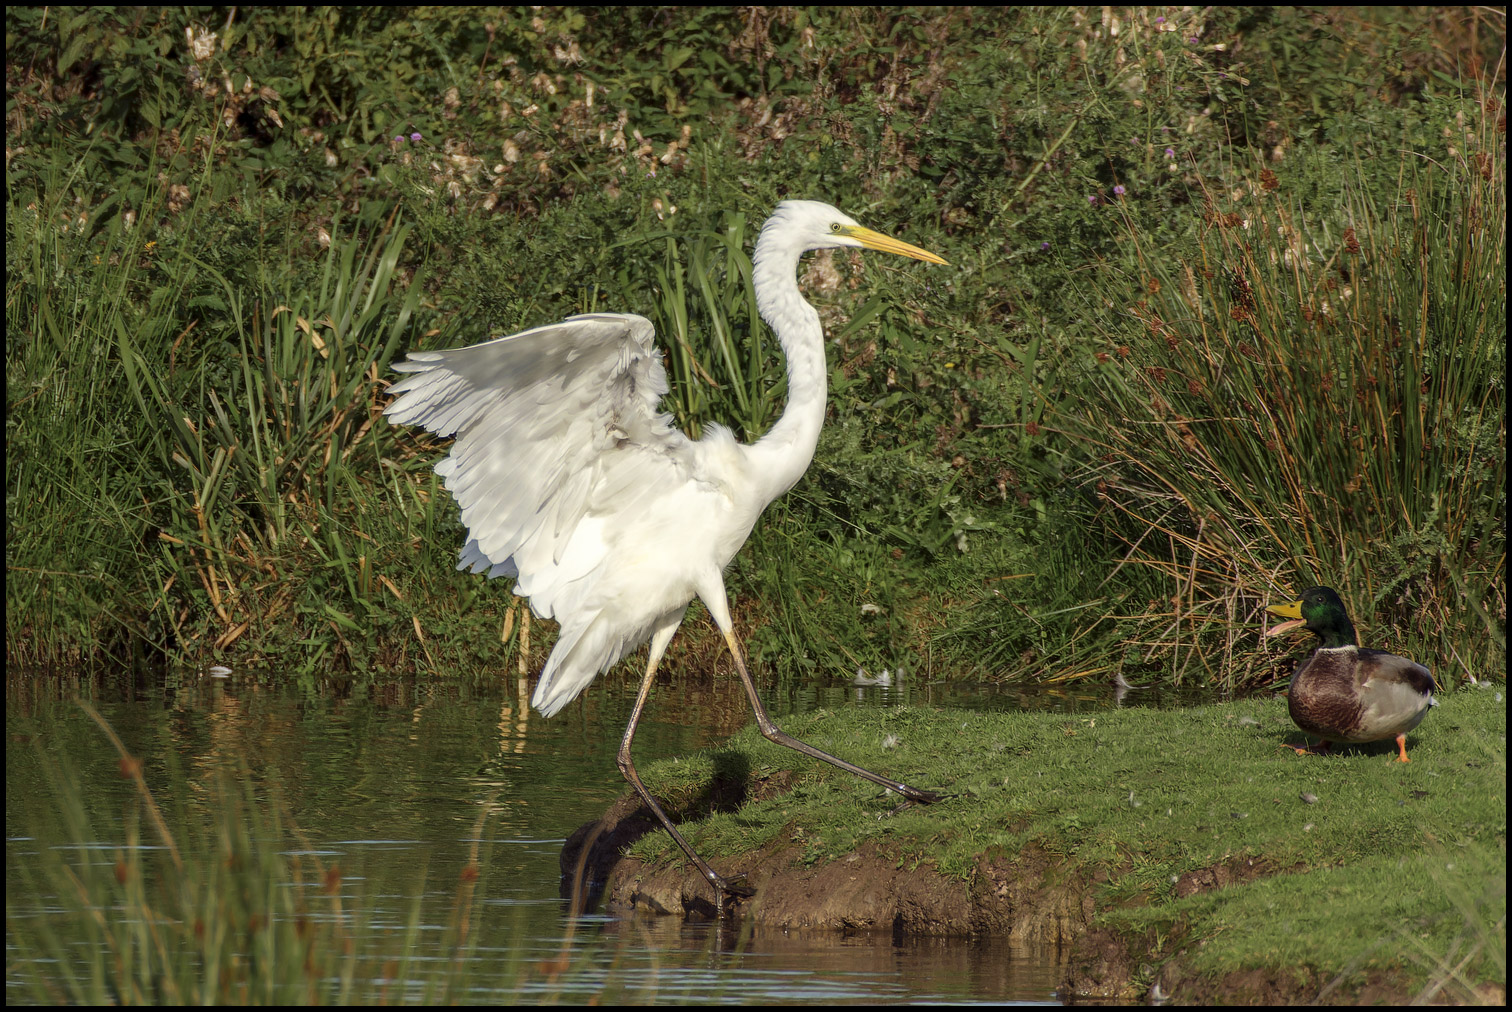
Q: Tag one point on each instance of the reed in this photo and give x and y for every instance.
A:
(200, 449)
(1295, 397)
(232, 907)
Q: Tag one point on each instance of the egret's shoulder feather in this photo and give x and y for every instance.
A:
(548, 422)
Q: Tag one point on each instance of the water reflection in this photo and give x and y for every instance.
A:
(390, 783)
(766, 967)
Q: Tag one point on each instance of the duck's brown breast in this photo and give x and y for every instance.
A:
(1323, 699)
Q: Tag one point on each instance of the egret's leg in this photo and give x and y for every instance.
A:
(722, 886)
(774, 733)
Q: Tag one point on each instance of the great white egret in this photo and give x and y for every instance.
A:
(609, 519)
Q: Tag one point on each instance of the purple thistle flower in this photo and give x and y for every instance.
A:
(1119, 190)
(1092, 199)
(1170, 152)
(415, 136)
(1044, 245)
(398, 138)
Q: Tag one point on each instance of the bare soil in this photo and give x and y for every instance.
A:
(1030, 895)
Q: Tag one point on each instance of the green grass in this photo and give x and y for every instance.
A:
(230, 908)
(172, 486)
(215, 249)
(1337, 926)
(1391, 868)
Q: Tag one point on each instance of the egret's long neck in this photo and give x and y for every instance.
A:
(783, 454)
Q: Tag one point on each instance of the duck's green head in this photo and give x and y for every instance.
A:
(1321, 611)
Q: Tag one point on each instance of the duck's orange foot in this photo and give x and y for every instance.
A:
(1320, 749)
(1401, 741)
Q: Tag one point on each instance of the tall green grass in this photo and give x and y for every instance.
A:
(194, 442)
(72, 466)
(287, 448)
(1296, 396)
(237, 908)
(724, 363)
(206, 279)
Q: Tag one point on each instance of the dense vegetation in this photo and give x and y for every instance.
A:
(1225, 318)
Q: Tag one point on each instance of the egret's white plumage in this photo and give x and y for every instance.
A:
(560, 460)
(572, 481)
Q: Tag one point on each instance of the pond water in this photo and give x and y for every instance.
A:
(401, 786)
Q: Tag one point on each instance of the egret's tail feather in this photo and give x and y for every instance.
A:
(582, 652)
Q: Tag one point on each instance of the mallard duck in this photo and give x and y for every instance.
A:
(1344, 692)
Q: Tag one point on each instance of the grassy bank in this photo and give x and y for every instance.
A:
(1216, 862)
(1226, 318)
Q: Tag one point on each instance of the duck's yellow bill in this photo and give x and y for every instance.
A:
(1291, 611)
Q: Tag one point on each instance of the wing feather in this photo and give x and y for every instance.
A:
(548, 422)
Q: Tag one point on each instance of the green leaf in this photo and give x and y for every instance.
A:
(73, 51)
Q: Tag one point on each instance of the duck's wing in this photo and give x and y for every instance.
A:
(1379, 666)
(1394, 694)
(542, 419)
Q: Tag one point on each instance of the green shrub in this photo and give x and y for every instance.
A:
(176, 176)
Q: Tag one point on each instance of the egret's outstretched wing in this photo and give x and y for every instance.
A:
(545, 420)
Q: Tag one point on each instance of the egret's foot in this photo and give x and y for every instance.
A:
(729, 890)
(914, 796)
(736, 886)
(922, 797)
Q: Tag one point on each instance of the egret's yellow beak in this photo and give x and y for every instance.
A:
(1292, 611)
(887, 244)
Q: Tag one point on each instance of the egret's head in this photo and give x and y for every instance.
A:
(811, 224)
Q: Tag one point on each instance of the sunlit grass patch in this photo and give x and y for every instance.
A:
(1195, 834)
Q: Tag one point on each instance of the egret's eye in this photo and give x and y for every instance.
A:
(835, 227)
